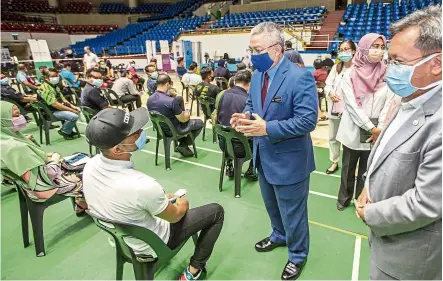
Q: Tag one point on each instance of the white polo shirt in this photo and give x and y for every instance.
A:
(90, 60)
(115, 190)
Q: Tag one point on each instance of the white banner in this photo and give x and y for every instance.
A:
(150, 49)
(164, 47)
(6, 56)
(40, 51)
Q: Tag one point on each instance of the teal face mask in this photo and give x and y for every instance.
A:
(54, 80)
(398, 78)
(344, 57)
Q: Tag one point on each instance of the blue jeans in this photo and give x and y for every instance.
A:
(70, 119)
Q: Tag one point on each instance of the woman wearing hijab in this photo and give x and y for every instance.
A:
(366, 99)
(41, 177)
(333, 94)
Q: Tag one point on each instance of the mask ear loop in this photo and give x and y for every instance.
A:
(436, 83)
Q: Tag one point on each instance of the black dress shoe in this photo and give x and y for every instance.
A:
(341, 207)
(267, 245)
(328, 172)
(292, 271)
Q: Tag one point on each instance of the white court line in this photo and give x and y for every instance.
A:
(356, 263)
(218, 169)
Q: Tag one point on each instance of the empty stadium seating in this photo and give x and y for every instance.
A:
(169, 31)
(110, 40)
(43, 7)
(9, 16)
(113, 8)
(90, 28)
(36, 27)
(151, 8)
(304, 15)
(360, 19)
(178, 8)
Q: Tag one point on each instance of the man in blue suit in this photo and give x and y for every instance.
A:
(280, 114)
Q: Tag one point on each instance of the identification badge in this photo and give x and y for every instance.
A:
(277, 99)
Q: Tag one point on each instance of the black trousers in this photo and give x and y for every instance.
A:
(132, 98)
(207, 219)
(350, 159)
(239, 150)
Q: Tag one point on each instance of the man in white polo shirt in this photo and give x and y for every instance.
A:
(90, 60)
(115, 190)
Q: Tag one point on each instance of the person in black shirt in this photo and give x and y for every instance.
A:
(222, 71)
(91, 95)
(205, 88)
(162, 102)
(240, 66)
(181, 69)
(234, 101)
(8, 92)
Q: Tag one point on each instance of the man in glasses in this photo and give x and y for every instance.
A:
(280, 113)
(402, 199)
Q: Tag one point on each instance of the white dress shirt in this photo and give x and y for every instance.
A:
(407, 109)
(333, 84)
(354, 117)
(192, 79)
(90, 60)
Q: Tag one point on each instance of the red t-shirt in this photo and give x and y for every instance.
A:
(320, 75)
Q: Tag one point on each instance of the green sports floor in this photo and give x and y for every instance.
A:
(77, 249)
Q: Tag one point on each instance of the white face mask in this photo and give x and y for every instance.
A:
(375, 55)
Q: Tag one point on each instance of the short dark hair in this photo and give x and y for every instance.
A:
(243, 76)
(163, 79)
(148, 66)
(125, 73)
(318, 64)
(89, 72)
(153, 60)
(193, 65)
(205, 72)
(241, 66)
(46, 72)
(66, 64)
(180, 59)
(288, 44)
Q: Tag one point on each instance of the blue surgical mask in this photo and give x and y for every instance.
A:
(97, 82)
(140, 142)
(344, 57)
(154, 75)
(4, 81)
(398, 78)
(54, 80)
(262, 62)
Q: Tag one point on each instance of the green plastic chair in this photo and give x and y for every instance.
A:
(221, 82)
(76, 93)
(159, 119)
(193, 96)
(114, 100)
(23, 111)
(35, 209)
(89, 113)
(47, 118)
(144, 267)
(206, 104)
(229, 134)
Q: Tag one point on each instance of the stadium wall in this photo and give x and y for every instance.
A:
(93, 19)
(281, 4)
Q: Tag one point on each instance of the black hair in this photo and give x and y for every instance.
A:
(353, 47)
(125, 73)
(288, 44)
(193, 65)
(89, 72)
(153, 60)
(318, 64)
(243, 76)
(148, 66)
(241, 66)
(47, 71)
(66, 64)
(163, 79)
(226, 56)
(205, 72)
(179, 60)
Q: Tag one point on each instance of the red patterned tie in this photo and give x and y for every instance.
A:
(264, 89)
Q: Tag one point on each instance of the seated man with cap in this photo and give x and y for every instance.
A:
(163, 102)
(116, 191)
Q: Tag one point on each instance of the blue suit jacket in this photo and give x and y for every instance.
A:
(290, 112)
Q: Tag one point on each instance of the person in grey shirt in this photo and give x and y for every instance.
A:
(125, 89)
(293, 55)
(402, 199)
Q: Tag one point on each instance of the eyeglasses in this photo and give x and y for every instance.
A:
(345, 50)
(403, 62)
(255, 51)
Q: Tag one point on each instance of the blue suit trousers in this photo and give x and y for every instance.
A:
(287, 206)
